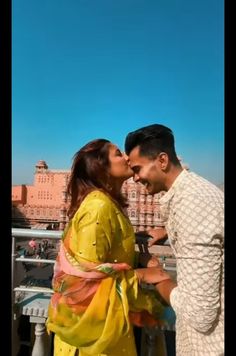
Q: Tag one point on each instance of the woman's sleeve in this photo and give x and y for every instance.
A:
(92, 232)
(142, 299)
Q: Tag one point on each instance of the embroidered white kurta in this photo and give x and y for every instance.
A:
(194, 212)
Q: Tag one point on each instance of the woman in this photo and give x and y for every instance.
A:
(97, 296)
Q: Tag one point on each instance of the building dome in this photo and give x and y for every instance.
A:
(42, 164)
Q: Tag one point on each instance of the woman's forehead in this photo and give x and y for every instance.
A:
(113, 147)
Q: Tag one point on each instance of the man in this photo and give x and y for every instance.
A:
(193, 209)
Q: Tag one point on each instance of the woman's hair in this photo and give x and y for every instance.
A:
(90, 172)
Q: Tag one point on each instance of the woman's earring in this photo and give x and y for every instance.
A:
(108, 186)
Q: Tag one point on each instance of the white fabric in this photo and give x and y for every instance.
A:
(194, 212)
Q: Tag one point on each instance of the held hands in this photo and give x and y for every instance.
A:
(152, 275)
(148, 260)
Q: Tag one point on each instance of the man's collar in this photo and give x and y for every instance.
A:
(169, 194)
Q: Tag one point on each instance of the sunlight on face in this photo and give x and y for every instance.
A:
(146, 171)
(119, 167)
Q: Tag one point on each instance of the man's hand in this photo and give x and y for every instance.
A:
(164, 288)
(157, 234)
(146, 259)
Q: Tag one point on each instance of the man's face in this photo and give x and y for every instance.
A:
(147, 171)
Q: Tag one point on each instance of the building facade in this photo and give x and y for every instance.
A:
(44, 204)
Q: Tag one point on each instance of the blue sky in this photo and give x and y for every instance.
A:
(85, 69)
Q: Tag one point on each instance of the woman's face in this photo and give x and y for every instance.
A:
(119, 167)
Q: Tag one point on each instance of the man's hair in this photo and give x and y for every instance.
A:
(152, 140)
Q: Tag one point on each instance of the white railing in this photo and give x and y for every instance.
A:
(30, 300)
(33, 300)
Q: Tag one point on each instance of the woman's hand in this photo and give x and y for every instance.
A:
(151, 275)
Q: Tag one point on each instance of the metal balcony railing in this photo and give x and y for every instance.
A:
(30, 296)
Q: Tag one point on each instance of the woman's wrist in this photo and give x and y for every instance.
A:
(151, 275)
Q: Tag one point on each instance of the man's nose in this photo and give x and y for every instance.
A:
(136, 177)
(125, 156)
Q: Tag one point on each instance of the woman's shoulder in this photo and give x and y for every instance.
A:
(96, 201)
(98, 196)
(95, 206)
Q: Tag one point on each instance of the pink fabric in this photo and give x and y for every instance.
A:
(32, 244)
(94, 273)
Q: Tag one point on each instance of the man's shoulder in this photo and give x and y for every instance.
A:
(196, 188)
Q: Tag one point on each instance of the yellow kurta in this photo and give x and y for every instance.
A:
(101, 233)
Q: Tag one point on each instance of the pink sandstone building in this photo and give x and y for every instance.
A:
(44, 204)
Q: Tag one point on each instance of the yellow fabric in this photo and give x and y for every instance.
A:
(126, 348)
(100, 233)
